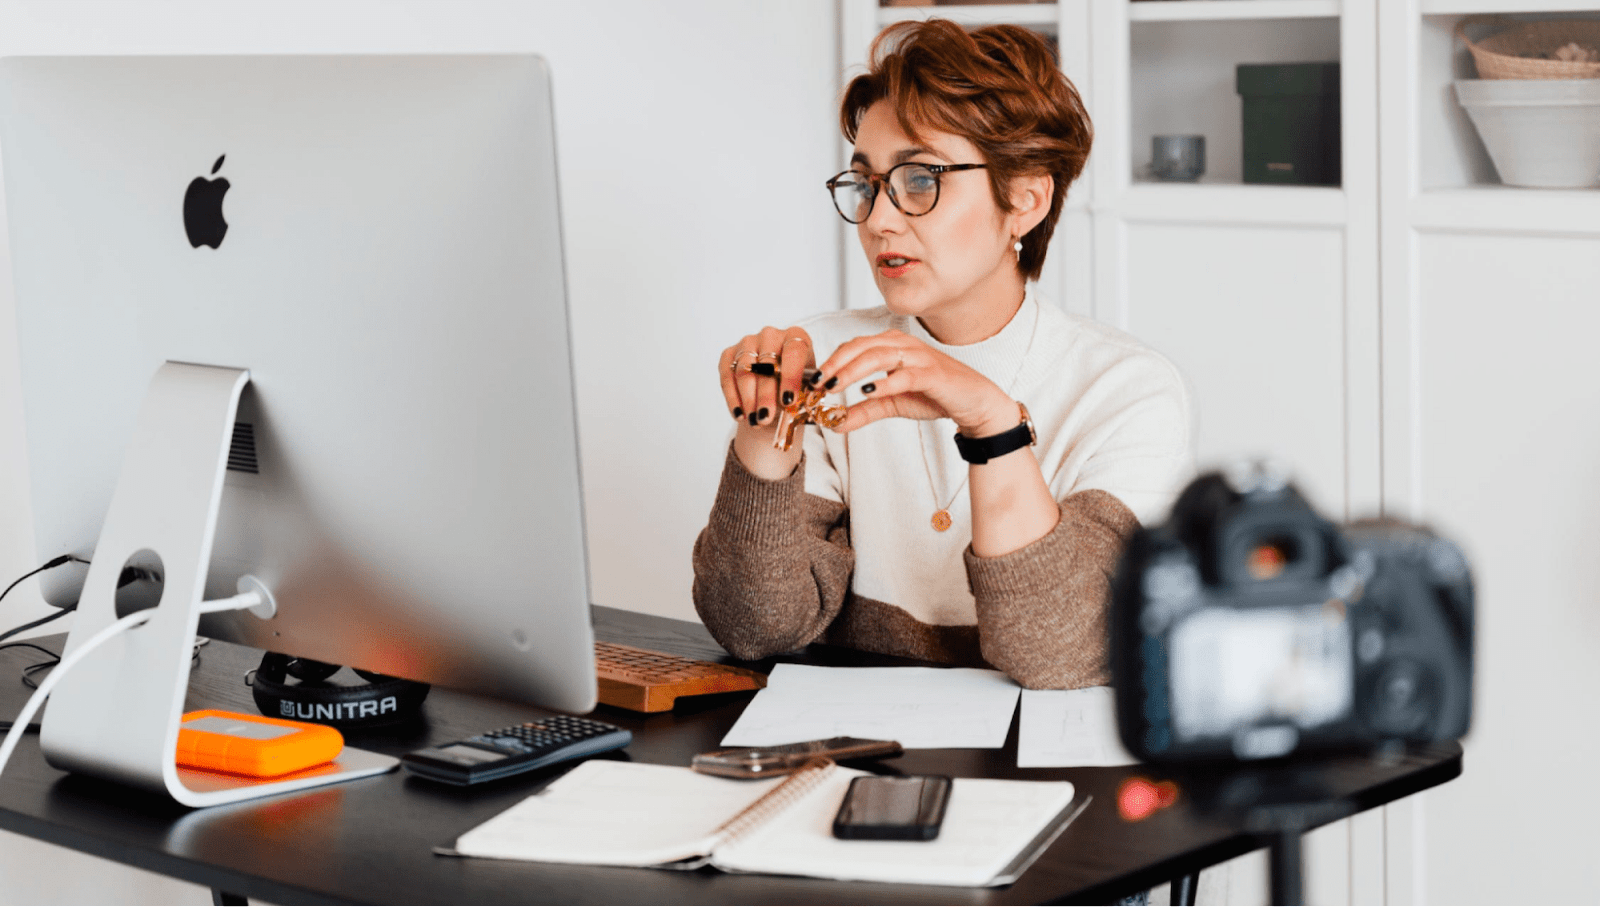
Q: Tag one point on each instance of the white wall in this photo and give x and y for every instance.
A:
(653, 102)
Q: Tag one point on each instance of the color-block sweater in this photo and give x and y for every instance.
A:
(843, 551)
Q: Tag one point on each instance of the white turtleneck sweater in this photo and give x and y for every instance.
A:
(1113, 419)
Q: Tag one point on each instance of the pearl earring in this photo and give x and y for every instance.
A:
(1017, 248)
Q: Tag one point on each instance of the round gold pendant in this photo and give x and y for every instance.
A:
(941, 521)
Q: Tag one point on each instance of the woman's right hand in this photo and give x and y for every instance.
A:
(760, 374)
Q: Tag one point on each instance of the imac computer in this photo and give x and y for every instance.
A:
(294, 328)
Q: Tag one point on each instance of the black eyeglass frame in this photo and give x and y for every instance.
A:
(938, 170)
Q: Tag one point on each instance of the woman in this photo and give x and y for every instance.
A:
(935, 521)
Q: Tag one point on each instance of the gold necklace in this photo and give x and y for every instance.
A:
(941, 520)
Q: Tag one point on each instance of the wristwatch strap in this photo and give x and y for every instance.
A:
(981, 450)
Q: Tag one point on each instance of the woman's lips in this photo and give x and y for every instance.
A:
(891, 265)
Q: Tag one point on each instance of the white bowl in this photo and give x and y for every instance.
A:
(1541, 133)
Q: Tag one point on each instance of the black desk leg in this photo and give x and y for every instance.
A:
(1285, 866)
(1183, 890)
(222, 898)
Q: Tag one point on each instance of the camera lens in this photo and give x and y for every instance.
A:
(1268, 558)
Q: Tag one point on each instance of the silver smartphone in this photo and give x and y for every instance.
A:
(770, 761)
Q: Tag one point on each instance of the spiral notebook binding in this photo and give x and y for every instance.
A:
(807, 779)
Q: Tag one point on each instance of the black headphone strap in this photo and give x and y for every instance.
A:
(385, 701)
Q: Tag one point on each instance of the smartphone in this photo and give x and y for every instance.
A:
(770, 761)
(893, 808)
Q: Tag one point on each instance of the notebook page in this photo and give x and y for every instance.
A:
(986, 825)
(616, 814)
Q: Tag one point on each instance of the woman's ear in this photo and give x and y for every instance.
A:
(1030, 201)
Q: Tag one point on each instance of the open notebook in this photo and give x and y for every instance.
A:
(631, 814)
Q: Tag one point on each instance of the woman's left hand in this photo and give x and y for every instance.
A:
(922, 383)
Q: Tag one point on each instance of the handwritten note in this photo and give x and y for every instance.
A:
(1062, 728)
(923, 708)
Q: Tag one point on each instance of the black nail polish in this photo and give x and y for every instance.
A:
(810, 380)
(868, 388)
(738, 411)
(828, 385)
(752, 418)
(764, 369)
(788, 398)
(762, 416)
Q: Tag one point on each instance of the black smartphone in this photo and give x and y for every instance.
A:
(893, 808)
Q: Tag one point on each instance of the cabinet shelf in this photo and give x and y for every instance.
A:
(1031, 15)
(1234, 204)
(1225, 10)
(1183, 77)
(1508, 210)
(1466, 7)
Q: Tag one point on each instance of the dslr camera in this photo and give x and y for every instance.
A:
(1248, 627)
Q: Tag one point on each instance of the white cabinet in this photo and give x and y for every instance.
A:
(1490, 431)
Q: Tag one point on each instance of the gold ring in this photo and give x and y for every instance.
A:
(772, 356)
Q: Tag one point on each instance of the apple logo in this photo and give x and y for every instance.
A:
(202, 209)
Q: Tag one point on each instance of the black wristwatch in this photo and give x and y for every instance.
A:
(981, 450)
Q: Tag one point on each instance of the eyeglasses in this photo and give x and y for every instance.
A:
(913, 188)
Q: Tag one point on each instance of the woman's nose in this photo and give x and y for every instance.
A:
(885, 216)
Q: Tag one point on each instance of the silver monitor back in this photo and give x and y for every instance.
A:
(405, 471)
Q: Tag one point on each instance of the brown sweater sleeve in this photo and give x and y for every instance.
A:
(1043, 610)
(772, 567)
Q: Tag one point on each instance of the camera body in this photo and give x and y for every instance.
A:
(1248, 627)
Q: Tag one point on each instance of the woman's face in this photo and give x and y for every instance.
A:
(956, 260)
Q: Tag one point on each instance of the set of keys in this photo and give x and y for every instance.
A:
(806, 408)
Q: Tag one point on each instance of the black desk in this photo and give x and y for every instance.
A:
(370, 840)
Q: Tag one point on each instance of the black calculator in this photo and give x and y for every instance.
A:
(516, 749)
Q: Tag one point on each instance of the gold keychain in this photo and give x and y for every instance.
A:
(807, 408)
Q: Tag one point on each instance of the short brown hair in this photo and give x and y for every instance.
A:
(1000, 88)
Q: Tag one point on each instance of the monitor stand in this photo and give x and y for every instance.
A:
(116, 713)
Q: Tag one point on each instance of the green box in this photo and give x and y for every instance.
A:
(1291, 123)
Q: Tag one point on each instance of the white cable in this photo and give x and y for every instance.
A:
(233, 603)
(252, 599)
(20, 726)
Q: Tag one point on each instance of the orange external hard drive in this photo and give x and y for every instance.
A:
(253, 745)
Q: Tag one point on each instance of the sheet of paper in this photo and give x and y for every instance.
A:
(923, 708)
(1064, 728)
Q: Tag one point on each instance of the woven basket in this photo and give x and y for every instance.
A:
(1523, 49)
